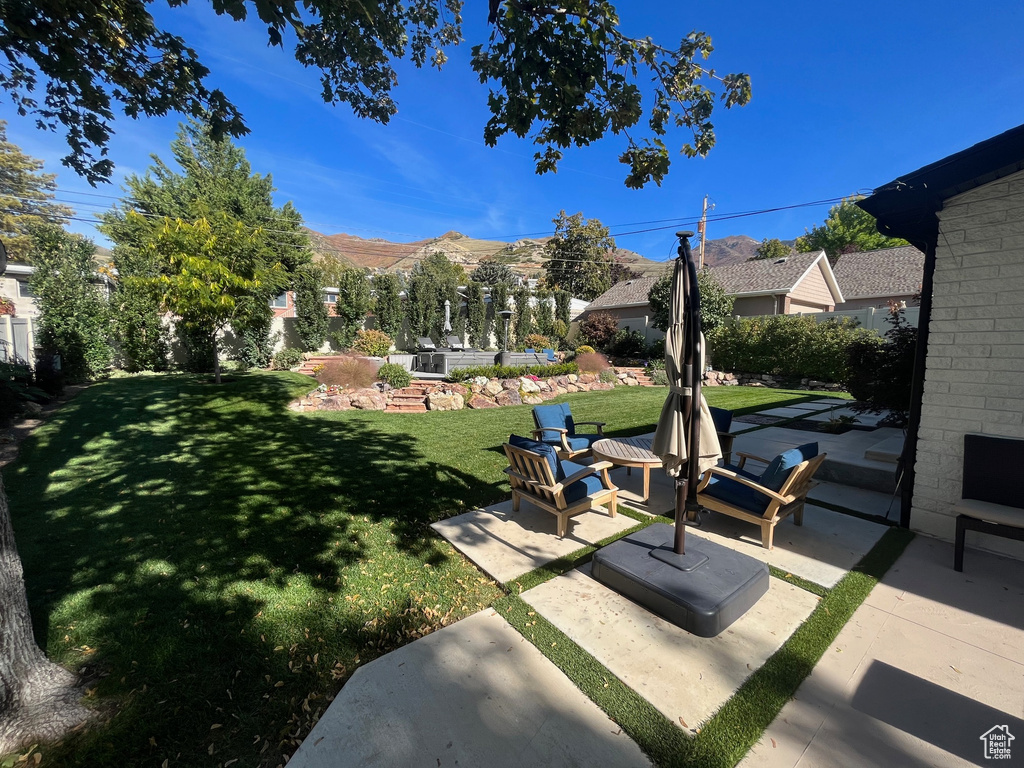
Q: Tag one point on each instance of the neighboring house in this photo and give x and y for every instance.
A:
(17, 331)
(627, 303)
(799, 283)
(283, 304)
(966, 213)
(876, 278)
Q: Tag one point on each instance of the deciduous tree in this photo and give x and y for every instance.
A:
(215, 275)
(579, 256)
(771, 249)
(562, 74)
(848, 229)
(715, 305)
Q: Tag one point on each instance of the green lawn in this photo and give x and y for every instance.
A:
(218, 565)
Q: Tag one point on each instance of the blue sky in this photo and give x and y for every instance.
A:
(845, 98)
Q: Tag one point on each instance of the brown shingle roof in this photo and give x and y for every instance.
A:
(886, 272)
(774, 275)
(621, 294)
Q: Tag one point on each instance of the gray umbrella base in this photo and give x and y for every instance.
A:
(704, 592)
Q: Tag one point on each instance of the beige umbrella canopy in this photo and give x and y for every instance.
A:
(684, 361)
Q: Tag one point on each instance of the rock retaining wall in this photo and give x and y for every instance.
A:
(478, 393)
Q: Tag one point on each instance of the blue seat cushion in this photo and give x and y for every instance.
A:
(557, 416)
(727, 490)
(742, 472)
(583, 442)
(582, 488)
(543, 449)
(777, 472)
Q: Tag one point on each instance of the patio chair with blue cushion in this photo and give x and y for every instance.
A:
(723, 422)
(556, 427)
(766, 498)
(550, 355)
(562, 488)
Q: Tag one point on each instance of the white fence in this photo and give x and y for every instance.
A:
(872, 318)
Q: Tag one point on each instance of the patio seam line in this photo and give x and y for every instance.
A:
(872, 568)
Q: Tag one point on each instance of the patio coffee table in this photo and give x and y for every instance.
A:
(629, 452)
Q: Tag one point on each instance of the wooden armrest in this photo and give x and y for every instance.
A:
(592, 423)
(751, 483)
(743, 455)
(559, 430)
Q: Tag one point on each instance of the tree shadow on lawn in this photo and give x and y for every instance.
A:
(216, 559)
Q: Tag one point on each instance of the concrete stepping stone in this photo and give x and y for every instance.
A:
(473, 694)
(506, 544)
(685, 677)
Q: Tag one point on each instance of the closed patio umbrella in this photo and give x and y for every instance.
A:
(685, 429)
(447, 316)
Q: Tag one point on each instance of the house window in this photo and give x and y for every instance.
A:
(25, 290)
(280, 302)
(330, 298)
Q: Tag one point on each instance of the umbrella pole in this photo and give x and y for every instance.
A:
(686, 489)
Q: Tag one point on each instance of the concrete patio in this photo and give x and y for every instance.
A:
(927, 665)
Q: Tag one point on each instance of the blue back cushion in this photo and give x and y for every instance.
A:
(777, 472)
(722, 419)
(558, 416)
(543, 449)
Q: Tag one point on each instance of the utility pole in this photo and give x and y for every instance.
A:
(702, 227)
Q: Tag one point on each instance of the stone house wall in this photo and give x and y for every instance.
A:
(974, 376)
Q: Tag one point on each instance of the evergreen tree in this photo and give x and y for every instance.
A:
(562, 307)
(492, 273)
(499, 302)
(432, 281)
(25, 198)
(522, 318)
(73, 317)
(476, 315)
(579, 256)
(544, 318)
(353, 304)
(311, 319)
(387, 304)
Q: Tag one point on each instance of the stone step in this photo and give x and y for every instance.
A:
(406, 408)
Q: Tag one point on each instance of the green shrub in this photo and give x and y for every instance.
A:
(348, 373)
(585, 349)
(512, 371)
(372, 343)
(880, 374)
(787, 345)
(16, 389)
(607, 376)
(394, 375)
(628, 344)
(537, 341)
(657, 351)
(287, 358)
(658, 377)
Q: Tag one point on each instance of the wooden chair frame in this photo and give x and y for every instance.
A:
(788, 500)
(564, 451)
(531, 478)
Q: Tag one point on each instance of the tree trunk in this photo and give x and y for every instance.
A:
(39, 701)
(216, 359)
